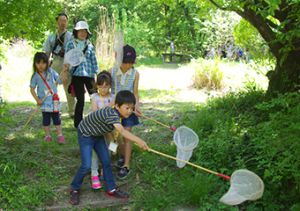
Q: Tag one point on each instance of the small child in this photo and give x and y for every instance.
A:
(100, 99)
(91, 131)
(126, 78)
(42, 75)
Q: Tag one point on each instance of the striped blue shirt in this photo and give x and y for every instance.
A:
(99, 122)
(87, 68)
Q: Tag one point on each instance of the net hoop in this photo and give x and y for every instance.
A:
(244, 185)
(182, 142)
(186, 140)
(118, 48)
(74, 57)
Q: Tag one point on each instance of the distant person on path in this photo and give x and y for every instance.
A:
(221, 52)
(42, 76)
(100, 99)
(84, 73)
(228, 49)
(91, 131)
(212, 52)
(240, 52)
(55, 45)
(126, 78)
(172, 47)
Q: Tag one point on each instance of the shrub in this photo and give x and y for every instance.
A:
(207, 74)
(243, 130)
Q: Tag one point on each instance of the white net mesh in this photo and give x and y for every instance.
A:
(244, 185)
(186, 140)
(118, 48)
(74, 57)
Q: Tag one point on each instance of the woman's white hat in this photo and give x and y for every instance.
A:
(83, 25)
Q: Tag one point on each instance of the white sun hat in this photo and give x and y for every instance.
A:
(83, 25)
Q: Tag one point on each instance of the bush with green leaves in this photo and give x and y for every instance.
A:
(207, 74)
(245, 131)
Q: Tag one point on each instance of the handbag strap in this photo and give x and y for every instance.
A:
(45, 82)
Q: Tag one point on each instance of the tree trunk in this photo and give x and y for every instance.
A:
(285, 78)
(168, 20)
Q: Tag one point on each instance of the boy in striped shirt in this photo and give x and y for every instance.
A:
(91, 131)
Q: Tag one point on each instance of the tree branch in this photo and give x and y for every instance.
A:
(214, 3)
(263, 27)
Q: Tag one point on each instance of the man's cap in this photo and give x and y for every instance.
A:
(129, 54)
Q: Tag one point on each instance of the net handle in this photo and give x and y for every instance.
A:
(159, 123)
(42, 101)
(204, 169)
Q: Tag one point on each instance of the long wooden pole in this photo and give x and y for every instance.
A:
(204, 169)
(43, 101)
(159, 123)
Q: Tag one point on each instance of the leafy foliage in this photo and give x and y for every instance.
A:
(27, 18)
(278, 24)
(244, 131)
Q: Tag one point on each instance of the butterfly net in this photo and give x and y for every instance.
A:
(118, 48)
(186, 140)
(74, 57)
(244, 185)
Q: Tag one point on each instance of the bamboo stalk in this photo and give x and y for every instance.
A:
(204, 169)
(159, 123)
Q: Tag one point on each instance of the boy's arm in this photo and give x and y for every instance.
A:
(142, 144)
(136, 94)
(110, 136)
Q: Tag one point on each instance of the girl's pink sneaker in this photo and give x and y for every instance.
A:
(48, 139)
(95, 182)
(61, 139)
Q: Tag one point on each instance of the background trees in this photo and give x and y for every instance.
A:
(278, 24)
(194, 25)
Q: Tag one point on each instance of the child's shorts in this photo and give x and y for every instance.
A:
(47, 118)
(132, 120)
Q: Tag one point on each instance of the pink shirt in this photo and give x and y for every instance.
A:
(106, 100)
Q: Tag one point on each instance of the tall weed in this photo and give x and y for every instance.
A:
(105, 37)
(207, 74)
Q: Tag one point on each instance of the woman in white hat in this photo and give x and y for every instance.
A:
(83, 74)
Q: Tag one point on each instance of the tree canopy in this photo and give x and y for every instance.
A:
(27, 18)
